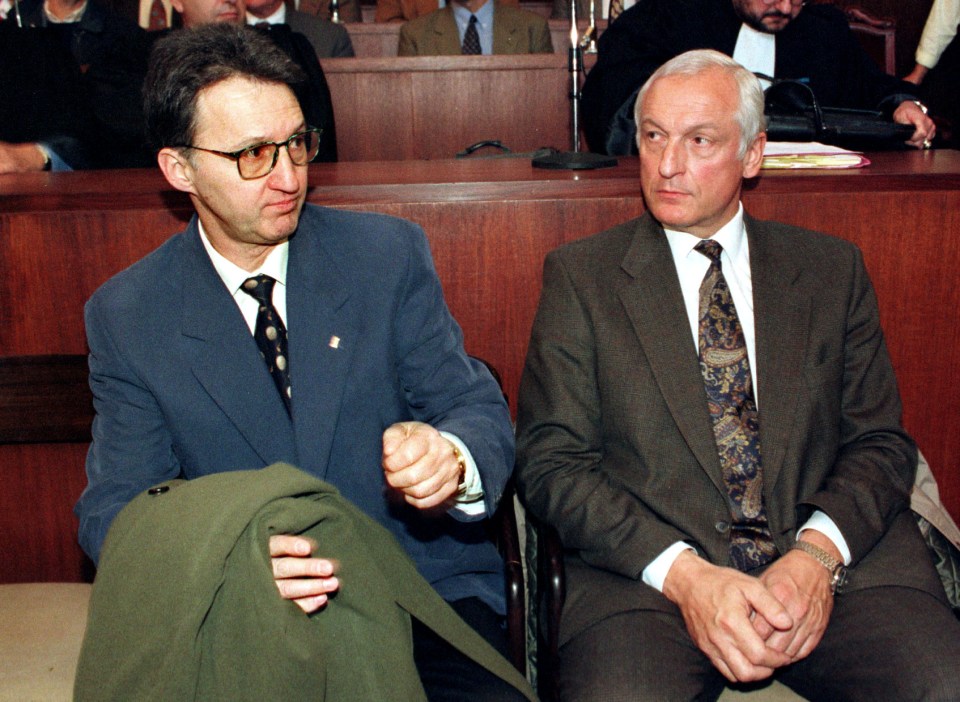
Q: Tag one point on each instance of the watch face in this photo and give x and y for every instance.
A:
(839, 579)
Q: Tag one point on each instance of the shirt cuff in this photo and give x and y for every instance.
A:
(819, 521)
(925, 58)
(656, 572)
(470, 502)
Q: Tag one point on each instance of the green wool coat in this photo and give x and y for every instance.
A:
(185, 607)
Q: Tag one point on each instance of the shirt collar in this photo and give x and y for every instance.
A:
(278, 17)
(731, 236)
(462, 14)
(233, 275)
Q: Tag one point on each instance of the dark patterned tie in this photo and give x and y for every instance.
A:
(726, 377)
(270, 333)
(471, 38)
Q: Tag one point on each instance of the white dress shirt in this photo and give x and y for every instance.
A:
(278, 17)
(757, 52)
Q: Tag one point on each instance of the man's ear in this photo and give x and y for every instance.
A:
(753, 159)
(176, 169)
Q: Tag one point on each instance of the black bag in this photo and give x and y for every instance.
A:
(794, 114)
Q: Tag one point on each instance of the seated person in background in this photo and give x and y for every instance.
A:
(405, 10)
(938, 33)
(271, 330)
(938, 54)
(709, 418)
(475, 27)
(348, 10)
(328, 40)
(782, 39)
(70, 96)
(313, 94)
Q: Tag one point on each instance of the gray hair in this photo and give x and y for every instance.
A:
(749, 114)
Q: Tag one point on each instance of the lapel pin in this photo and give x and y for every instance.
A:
(334, 342)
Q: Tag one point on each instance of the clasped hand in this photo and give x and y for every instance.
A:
(748, 627)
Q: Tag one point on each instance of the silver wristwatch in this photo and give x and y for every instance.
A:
(838, 572)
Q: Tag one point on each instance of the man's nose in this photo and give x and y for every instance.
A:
(284, 174)
(672, 159)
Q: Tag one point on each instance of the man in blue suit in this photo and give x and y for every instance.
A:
(368, 385)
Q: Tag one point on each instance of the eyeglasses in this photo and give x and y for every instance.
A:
(794, 3)
(259, 160)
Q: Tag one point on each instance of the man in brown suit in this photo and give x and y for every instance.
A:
(404, 10)
(674, 586)
(502, 30)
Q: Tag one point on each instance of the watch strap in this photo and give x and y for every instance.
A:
(834, 567)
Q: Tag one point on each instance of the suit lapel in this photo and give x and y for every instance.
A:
(504, 34)
(225, 358)
(654, 303)
(781, 313)
(447, 36)
(322, 339)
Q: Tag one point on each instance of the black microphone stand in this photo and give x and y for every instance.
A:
(575, 159)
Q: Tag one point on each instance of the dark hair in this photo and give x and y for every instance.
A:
(189, 60)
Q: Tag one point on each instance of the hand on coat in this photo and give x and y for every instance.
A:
(420, 464)
(300, 577)
(719, 606)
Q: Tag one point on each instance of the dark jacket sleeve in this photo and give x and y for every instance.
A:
(820, 46)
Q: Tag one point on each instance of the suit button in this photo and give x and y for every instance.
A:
(722, 527)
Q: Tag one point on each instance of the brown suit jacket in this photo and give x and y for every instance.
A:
(514, 32)
(392, 10)
(615, 445)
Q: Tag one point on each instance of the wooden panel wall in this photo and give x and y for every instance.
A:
(490, 222)
(430, 107)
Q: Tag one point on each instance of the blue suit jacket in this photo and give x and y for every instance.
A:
(180, 388)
